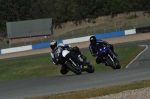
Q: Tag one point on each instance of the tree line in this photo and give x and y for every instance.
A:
(65, 10)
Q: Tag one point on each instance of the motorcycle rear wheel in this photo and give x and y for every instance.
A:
(90, 69)
(118, 66)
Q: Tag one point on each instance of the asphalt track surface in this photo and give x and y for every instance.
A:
(138, 70)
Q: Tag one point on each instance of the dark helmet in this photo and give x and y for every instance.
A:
(93, 39)
(53, 44)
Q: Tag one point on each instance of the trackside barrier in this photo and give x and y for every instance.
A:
(16, 49)
(109, 35)
(25, 48)
(98, 36)
(129, 32)
(76, 40)
(42, 45)
(68, 41)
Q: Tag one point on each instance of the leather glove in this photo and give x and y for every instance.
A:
(55, 63)
(94, 55)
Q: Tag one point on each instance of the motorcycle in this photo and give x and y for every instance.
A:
(88, 67)
(108, 57)
(68, 57)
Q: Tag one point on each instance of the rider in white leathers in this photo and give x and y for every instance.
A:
(57, 48)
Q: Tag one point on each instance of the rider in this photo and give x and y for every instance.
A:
(56, 48)
(95, 44)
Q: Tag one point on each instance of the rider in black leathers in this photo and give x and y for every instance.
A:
(96, 44)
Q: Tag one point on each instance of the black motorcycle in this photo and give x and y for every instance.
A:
(71, 62)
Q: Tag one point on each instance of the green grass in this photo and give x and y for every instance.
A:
(28, 68)
(41, 66)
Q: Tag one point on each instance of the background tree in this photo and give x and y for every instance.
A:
(66, 10)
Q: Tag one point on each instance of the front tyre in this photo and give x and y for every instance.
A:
(110, 62)
(74, 69)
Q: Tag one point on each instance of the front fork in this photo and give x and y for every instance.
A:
(85, 62)
(103, 60)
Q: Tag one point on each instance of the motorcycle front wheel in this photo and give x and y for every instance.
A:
(74, 69)
(110, 62)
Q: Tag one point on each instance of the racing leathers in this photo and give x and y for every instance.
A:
(55, 57)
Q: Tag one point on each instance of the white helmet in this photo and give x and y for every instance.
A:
(53, 44)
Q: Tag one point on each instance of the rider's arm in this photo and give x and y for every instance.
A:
(53, 58)
(92, 50)
(103, 42)
(106, 43)
(64, 45)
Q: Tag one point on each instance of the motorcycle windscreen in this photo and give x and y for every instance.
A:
(64, 53)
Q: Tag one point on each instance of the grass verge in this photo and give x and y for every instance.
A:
(95, 92)
(42, 66)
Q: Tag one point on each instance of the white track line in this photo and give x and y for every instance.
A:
(138, 55)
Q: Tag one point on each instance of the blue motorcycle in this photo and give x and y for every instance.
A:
(108, 57)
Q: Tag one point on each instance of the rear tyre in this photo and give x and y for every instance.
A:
(90, 69)
(74, 69)
(64, 70)
(118, 66)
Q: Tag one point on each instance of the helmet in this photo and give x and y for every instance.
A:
(53, 44)
(93, 39)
